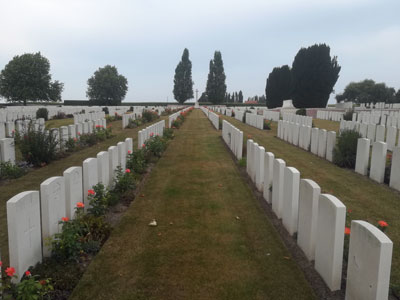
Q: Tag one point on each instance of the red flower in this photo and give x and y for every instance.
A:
(383, 224)
(79, 133)
(91, 192)
(349, 211)
(10, 271)
(143, 146)
(42, 282)
(1, 263)
(347, 230)
(127, 171)
(80, 205)
(65, 219)
(151, 134)
(129, 151)
(75, 139)
(27, 273)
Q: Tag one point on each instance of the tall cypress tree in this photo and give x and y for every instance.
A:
(183, 84)
(314, 74)
(216, 87)
(278, 86)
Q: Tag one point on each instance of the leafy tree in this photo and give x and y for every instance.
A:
(183, 84)
(398, 96)
(240, 100)
(216, 87)
(314, 74)
(106, 87)
(27, 78)
(278, 86)
(367, 91)
(203, 97)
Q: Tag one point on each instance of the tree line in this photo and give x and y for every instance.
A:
(27, 78)
(308, 82)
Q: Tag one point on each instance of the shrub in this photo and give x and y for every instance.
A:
(149, 116)
(137, 161)
(176, 124)
(345, 151)
(71, 144)
(168, 133)
(105, 109)
(97, 200)
(60, 115)
(37, 147)
(10, 171)
(156, 146)
(42, 113)
(348, 116)
(84, 234)
(267, 125)
(124, 181)
(301, 112)
(134, 123)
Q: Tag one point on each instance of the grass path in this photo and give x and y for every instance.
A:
(200, 249)
(34, 178)
(367, 199)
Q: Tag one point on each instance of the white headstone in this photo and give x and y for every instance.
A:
(330, 145)
(314, 140)
(90, 177)
(7, 150)
(322, 139)
(308, 213)
(103, 167)
(330, 240)
(378, 161)
(73, 189)
(52, 203)
(395, 170)
(260, 169)
(277, 187)
(370, 257)
(268, 175)
(129, 145)
(122, 155)
(380, 133)
(24, 231)
(113, 162)
(362, 158)
(290, 199)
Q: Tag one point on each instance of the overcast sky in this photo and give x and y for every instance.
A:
(145, 39)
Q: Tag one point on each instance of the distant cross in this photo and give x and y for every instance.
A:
(197, 94)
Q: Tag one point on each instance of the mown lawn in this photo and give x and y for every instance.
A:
(34, 178)
(58, 123)
(326, 124)
(366, 199)
(213, 240)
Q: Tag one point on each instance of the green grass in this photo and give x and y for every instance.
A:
(199, 250)
(58, 123)
(326, 124)
(367, 199)
(33, 179)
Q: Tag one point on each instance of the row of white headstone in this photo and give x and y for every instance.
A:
(378, 162)
(319, 141)
(255, 120)
(380, 105)
(376, 133)
(271, 115)
(174, 116)
(33, 216)
(299, 119)
(129, 116)
(14, 113)
(156, 129)
(85, 117)
(63, 133)
(233, 137)
(319, 221)
(213, 117)
(382, 117)
(330, 115)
